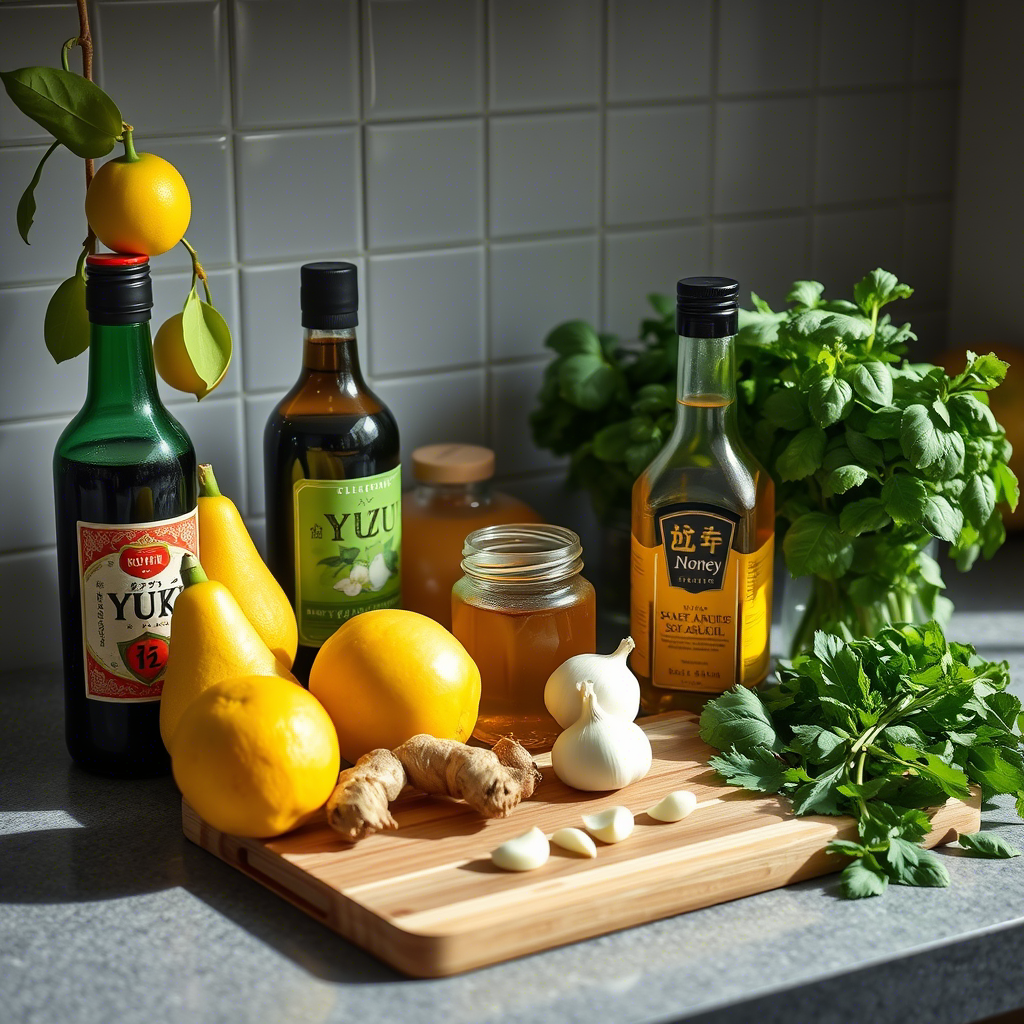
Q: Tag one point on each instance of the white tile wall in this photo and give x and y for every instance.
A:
(492, 167)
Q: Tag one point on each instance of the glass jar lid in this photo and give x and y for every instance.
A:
(522, 554)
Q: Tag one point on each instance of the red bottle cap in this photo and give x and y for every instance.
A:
(115, 259)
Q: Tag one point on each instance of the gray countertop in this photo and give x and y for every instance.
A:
(108, 914)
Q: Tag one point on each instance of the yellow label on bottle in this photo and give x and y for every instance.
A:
(700, 611)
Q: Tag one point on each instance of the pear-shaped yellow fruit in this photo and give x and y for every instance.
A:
(211, 640)
(231, 558)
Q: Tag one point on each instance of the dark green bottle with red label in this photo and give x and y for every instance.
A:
(125, 495)
(332, 472)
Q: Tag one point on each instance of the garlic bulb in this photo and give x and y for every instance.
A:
(524, 853)
(674, 807)
(616, 687)
(575, 840)
(599, 751)
(611, 825)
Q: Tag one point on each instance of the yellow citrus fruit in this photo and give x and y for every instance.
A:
(140, 206)
(255, 755)
(173, 362)
(386, 675)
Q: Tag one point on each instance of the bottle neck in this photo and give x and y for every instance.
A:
(706, 382)
(121, 371)
(333, 352)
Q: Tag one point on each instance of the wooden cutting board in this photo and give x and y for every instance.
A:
(427, 900)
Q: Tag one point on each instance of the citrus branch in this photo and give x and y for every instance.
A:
(85, 42)
(198, 271)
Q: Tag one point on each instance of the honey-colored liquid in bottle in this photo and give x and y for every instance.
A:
(332, 474)
(702, 527)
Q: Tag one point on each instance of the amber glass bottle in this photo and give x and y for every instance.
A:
(452, 498)
(332, 474)
(702, 526)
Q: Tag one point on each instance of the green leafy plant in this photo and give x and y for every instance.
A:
(609, 405)
(872, 456)
(85, 120)
(879, 729)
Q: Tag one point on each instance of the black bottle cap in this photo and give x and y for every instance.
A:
(329, 295)
(118, 289)
(707, 307)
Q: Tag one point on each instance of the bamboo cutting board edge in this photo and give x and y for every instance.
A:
(575, 899)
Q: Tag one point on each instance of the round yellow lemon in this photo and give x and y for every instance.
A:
(255, 755)
(389, 674)
(139, 206)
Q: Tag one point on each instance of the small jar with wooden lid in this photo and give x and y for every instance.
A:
(452, 497)
(521, 608)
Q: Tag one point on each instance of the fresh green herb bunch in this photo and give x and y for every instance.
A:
(872, 457)
(878, 729)
(609, 405)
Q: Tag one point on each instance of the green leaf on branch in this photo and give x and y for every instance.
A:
(878, 289)
(587, 381)
(66, 323)
(27, 204)
(920, 437)
(75, 111)
(829, 399)
(207, 340)
(737, 719)
(860, 880)
(872, 381)
(806, 294)
(942, 519)
(574, 338)
(803, 455)
(814, 545)
(905, 498)
(988, 844)
(864, 516)
(759, 770)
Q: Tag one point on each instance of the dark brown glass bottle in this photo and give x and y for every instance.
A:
(125, 495)
(332, 472)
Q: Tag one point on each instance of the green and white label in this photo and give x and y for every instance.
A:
(348, 541)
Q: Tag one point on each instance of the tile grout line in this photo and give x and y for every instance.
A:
(715, 28)
(489, 407)
(602, 162)
(811, 227)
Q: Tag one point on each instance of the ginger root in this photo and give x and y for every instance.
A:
(492, 782)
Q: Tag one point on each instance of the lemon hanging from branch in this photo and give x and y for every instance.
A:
(138, 203)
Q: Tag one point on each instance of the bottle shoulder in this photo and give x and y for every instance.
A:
(113, 435)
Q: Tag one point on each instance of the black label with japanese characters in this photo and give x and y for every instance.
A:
(697, 540)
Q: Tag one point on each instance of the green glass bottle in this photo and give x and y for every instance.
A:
(125, 495)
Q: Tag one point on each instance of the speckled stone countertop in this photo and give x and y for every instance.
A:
(107, 914)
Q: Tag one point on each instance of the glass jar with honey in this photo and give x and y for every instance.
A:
(520, 610)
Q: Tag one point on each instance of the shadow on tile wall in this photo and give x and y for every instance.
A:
(493, 168)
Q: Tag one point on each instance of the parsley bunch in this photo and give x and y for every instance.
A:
(878, 729)
(872, 456)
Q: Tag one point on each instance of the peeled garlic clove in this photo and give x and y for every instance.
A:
(674, 807)
(611, 825)
(524, 853)
(575, 840)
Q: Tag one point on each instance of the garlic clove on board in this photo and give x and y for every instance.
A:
(611, 825)
(616, 687)
(524, 853)
(575, 840)
(674, 807)
(598, 751)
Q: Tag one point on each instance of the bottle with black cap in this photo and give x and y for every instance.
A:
(702, 525)
(332, 473)
(125, 494)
